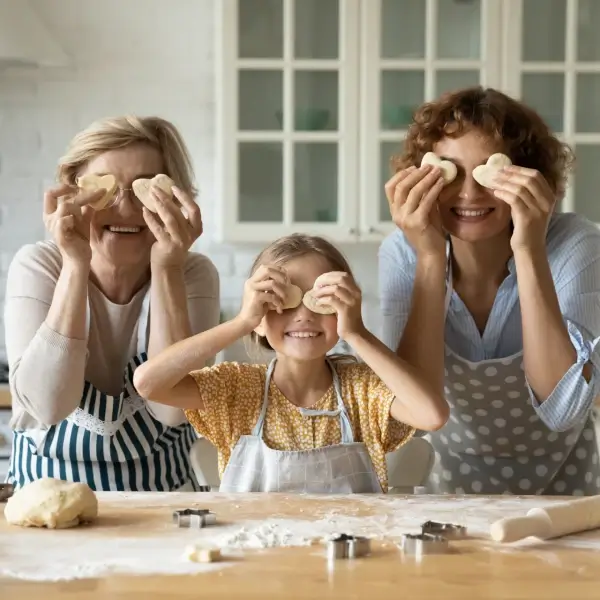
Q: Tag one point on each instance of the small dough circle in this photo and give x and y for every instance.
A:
(92, 182)
(311, 303)
(141, 189)
(51, 503)
(293, 296)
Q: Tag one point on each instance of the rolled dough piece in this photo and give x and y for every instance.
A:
(52, 503)
(484, 174)
(447, 167)
(293, 296)
(141, 188)
(92, 183)
(311, 303)
(202, 555)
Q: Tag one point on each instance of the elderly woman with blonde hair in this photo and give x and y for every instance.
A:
(117, 283)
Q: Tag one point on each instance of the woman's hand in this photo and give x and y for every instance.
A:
(264, 291)
(174, 233)
(531, 202)
(339, 290)
(67, 216)
(412, 195)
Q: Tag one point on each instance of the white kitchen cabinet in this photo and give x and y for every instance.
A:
(553, 63)
(314, 96)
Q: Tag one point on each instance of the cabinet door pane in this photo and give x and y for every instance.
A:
(403, 28)
(260, 98)
(315, 182)
(587, 181)
(545, 92)
(316, 101)
(260, 194)
(543, 35)
(316, 32)
(386, 151)
(588, 25)
(588, 103)
(260, 28)
(449, 81)
(402, 92)
(459, 29)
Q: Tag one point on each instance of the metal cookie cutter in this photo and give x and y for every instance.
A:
(6, 491)
(447, 530)
(348, 546)
(190, 517)
(424, 543)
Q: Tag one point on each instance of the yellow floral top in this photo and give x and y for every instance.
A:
(232, 394)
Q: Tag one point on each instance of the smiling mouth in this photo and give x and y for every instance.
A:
(303, 334)
(465, 213)
(122, 229)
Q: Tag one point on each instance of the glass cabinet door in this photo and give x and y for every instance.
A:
(290, 111)
(556, 70)
(415, 51)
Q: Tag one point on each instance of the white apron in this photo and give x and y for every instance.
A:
(343, 468)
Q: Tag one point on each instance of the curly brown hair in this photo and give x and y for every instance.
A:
(519, 129)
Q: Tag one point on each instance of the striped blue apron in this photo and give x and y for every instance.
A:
(112, 443)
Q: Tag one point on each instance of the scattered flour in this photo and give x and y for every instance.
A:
(134, 548)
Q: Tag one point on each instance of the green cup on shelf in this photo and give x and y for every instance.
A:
(307, 119)
(396, 116)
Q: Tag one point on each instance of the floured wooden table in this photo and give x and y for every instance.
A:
(272, 550)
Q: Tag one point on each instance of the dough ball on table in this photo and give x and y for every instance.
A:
(52, 503)
(141, 189)
(92, 183)
(202, 555)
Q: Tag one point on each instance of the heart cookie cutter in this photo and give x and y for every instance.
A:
(447, 530)
(424, 543)
(190, 517)
(348, 546)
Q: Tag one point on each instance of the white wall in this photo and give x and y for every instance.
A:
(130, 56)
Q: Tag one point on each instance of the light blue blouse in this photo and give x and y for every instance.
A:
(573, 245)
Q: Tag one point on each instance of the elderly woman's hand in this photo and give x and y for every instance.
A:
(67, 217)
(174, 231)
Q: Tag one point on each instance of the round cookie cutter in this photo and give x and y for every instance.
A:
(348, 546)
(447, 530)
(424, 543)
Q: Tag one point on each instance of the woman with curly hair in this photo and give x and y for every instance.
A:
(496, 296)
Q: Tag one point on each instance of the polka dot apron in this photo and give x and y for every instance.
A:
(495, 443)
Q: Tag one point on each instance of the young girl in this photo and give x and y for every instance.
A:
(305, 422)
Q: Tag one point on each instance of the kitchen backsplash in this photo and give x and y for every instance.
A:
(135, 69)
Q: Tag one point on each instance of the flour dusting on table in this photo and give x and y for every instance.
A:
(136, 548)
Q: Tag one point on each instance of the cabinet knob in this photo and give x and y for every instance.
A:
(352, 231)
(373, 230)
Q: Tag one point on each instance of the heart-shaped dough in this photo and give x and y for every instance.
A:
(484, 174)
(92, 183)
(293, 296)
(312, 304)
(141, 188)
(448, 168)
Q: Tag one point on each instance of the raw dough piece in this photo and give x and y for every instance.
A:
(141, 188)
(484, 174)
(92, 182)
(293, 296)
(311, 303)
(52, 503)
(447, 167)
(202, 555)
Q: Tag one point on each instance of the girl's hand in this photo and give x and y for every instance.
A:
(174, 233)
(67, 216)
(264, 291)
(412, 195)
(339, 290)
(531, 202)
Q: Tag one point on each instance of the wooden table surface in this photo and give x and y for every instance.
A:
(476, 568)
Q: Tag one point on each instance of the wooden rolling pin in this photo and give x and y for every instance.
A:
(555, 520)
